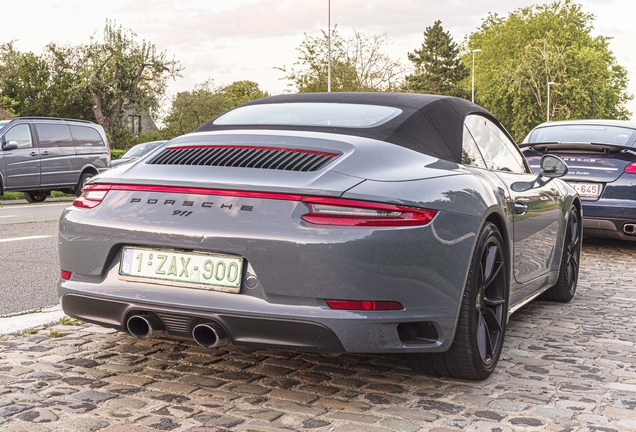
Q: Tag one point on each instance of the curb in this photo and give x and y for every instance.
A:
(16, 323)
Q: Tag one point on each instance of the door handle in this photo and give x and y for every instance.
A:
(45, 153)
(520, 208)
(33, 154)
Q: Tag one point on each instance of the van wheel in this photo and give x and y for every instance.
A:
(82, 181)
(34, 197)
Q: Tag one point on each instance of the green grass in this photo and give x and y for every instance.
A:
(29, 331)
(68, 321)
(8, 196)
(55, 334)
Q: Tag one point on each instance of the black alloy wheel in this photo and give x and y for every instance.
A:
(483, 316)
(564, 289)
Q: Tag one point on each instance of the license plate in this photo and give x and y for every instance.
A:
(587, 189)
(184, 269)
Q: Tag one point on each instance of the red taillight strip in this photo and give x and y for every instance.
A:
(409, 216)
(631, 168)
(289, 150)
(364, 305)
(66, 275)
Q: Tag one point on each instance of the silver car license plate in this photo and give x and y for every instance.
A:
(587, 189)
(184, 269)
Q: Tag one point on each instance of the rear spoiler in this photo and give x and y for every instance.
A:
(546, 147)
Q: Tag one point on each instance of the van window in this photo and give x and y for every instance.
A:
(86, 136)
(53, 135)
(21, 134)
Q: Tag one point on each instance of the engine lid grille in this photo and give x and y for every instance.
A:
(245, 157)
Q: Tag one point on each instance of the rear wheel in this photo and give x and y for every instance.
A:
(482, 322)
(82, 181)
(35, 197)
(564, 289)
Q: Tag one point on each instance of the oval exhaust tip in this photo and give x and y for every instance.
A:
(144, 326)
(210, 335)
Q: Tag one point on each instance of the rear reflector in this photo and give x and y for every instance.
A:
(337, 211)
(364, 305)
(66, 275)
(631, 168)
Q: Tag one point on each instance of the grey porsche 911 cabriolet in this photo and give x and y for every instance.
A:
(335, 222)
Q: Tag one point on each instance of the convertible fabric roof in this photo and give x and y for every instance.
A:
(428, 124)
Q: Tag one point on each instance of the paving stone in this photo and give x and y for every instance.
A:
(37, 416)
(267, 415)
(81, 424)
(92, 396)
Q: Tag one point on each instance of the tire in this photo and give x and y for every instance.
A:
(82, 181)
(480, 331)
(35, 197)
(563, 291)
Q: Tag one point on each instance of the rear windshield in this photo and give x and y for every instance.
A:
(584, 134)
(310, 114)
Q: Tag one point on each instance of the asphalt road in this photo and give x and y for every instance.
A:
(29, 267)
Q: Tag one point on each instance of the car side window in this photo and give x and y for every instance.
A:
(86, 136)
(53, 135)
(21, 134)
(470, 153)
(499, 152)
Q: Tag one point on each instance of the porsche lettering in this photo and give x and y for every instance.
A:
(207, 204)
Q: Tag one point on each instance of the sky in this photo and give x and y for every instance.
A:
(232, 40)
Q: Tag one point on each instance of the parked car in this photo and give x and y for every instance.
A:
(136, 151)
(601, 155)
(41, 154)
(348, 222)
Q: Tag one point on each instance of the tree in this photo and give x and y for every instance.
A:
(121, 71)
(539, 44)
(357, 64)
(438, 67)
(43, 85)
(190, 109)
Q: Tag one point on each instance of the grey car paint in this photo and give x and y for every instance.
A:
(319, 262)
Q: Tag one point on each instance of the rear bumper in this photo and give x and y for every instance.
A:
(294, 327)
(610, 219)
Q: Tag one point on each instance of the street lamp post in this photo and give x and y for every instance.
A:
(329, 48)
(472, 99)
(548, 114)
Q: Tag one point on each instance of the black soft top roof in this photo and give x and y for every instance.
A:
(428, 124)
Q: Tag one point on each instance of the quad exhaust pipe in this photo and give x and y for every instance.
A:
(629, 229)
(144, 326)
(210, 335)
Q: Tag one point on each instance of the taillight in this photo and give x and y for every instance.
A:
(631, 168)
(337, 211)
(92, 195)
(66, 275)
(364, 305)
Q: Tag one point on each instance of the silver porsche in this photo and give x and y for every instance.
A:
(331, 222)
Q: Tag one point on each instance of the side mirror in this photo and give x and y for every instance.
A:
(551, 167)
(10, 145)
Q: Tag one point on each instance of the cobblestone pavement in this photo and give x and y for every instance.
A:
(565, 367)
